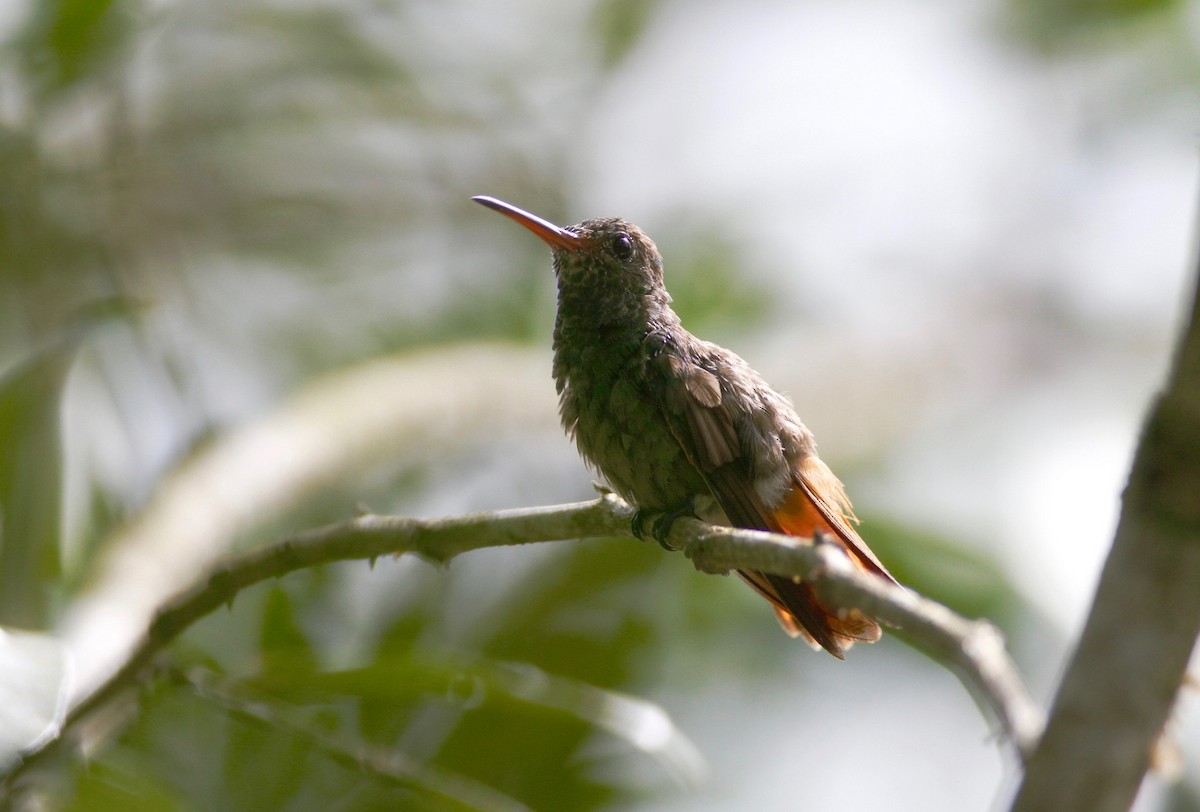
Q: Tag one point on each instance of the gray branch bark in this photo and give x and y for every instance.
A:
(974, 649)
(1122, 680)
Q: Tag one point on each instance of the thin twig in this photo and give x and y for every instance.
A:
(974, 649)
(364, 537)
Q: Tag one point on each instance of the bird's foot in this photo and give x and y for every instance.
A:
(660, 523)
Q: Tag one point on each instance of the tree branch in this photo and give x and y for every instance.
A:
(328, 433)
(1122, 680)
(973, 648)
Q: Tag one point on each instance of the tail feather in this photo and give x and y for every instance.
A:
(818, 502)
(802, 614)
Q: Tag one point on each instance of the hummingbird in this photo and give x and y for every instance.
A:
(680, 426)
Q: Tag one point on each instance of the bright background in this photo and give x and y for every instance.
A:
(957, 235)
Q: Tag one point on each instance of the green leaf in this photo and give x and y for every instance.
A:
(282, 642)
(619, 26)
(65, 40)
(31, 469)
(105, 787)
(1063, 24)
(31, 484)
(236, 751)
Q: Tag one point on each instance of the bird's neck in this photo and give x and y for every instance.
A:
(592, 358)
(596, 322)
(607, 308)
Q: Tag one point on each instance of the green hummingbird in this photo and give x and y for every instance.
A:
(678, 425)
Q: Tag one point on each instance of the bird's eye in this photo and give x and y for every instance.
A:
(622, 247)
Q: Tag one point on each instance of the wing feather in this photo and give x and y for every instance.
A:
(702, 419)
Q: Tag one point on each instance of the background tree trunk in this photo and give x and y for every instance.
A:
(1122, 680)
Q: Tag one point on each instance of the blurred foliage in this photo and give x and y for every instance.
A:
(1182, 797)
(968, 582)
(30, 485)
(283, 729)
(286, 185)
(31, 471)
(706, 288)
(619, 24)
(71, 40)
(1055, 25)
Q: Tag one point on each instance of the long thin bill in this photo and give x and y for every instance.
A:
(549, 233)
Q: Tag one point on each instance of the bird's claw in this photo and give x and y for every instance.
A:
(660, 521)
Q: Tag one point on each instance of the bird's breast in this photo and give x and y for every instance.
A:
(608, 406)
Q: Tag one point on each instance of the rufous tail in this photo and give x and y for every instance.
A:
(817, 501)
